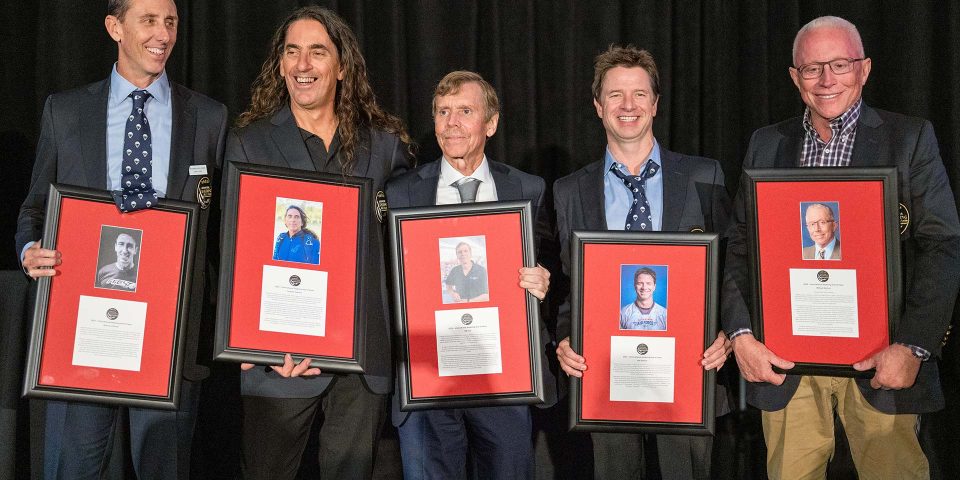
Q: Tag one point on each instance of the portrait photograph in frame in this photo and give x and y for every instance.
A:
(275, 288)
(118, 306)
(824, 311)
(485, 349)
(643, 379)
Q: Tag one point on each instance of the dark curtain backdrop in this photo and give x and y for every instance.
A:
(723, 66)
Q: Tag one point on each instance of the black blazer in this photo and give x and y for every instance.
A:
(73, 150)
(418, 188)
(929, 248)
(277, 141)
(694, 197)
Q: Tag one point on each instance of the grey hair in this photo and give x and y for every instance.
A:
(829, 22)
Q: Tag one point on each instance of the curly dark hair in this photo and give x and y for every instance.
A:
(355, 104)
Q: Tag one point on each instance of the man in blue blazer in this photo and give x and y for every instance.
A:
(681, 194)
(879, 414)
(81, 138)
(435, 444)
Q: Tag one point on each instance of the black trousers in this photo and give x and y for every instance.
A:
(275, 432)
(681, 457)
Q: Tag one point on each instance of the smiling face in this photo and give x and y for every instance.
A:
(645, 287)
(820, 224)
(460, 123)
(627, 105)
(310, 66)
(293, 221)
(830, 95)
(464, 254)
(145, 37)
(126, 248)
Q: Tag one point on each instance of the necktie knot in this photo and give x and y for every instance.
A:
(467, 187)
(139, 98)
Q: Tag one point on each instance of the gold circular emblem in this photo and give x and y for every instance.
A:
(904, 218)
(381, 206)
(204, 192)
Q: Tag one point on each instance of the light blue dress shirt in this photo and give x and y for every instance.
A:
(159, 111)
(617, 198)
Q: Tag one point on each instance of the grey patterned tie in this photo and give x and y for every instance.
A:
(467, 187)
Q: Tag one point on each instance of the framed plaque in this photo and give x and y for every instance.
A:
(109, 327)
(291, 267)
(643, 310)
(468, 335)
(825, 262)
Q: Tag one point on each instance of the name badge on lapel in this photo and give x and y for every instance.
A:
(204, 192)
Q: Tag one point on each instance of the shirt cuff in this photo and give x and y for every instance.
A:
(740, 331)
(23, 253)
(922, 353)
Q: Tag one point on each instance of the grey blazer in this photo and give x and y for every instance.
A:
(277, 141)
(418, 188)
(73, 150)
(930, 247)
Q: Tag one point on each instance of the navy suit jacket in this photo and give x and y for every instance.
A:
(379, 155)
(73, 150)
(418, 188)
(929, 251)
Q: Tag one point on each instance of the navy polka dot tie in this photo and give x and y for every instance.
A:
(136, 185)
(639, 218)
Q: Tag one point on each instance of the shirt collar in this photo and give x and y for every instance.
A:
(609, 160)
(120, 88)
(843, 123)
(448, 174)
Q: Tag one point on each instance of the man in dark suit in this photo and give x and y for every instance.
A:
(437, 443)
(312, 109)
(81, 142)
(643, 187)
(879, 414)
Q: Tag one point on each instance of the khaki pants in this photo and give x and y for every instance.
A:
(800, 438)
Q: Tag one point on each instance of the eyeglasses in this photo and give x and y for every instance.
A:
(819, 223)
(838, 66)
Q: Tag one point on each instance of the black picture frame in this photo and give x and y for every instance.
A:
(223, 350)
(580, 239)
(402, 291)
(33, 387)
(807, 178)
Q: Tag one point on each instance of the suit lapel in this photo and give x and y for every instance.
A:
(93, 134)
(674, 191)
(591, 197)
(424, 189)
(508, 187)
(867, 142)
(182, 137)
(286, 136)
(791, 147)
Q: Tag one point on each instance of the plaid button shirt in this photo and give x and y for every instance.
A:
(838, 151)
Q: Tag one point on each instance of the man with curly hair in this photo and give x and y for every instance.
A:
(312, 109)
